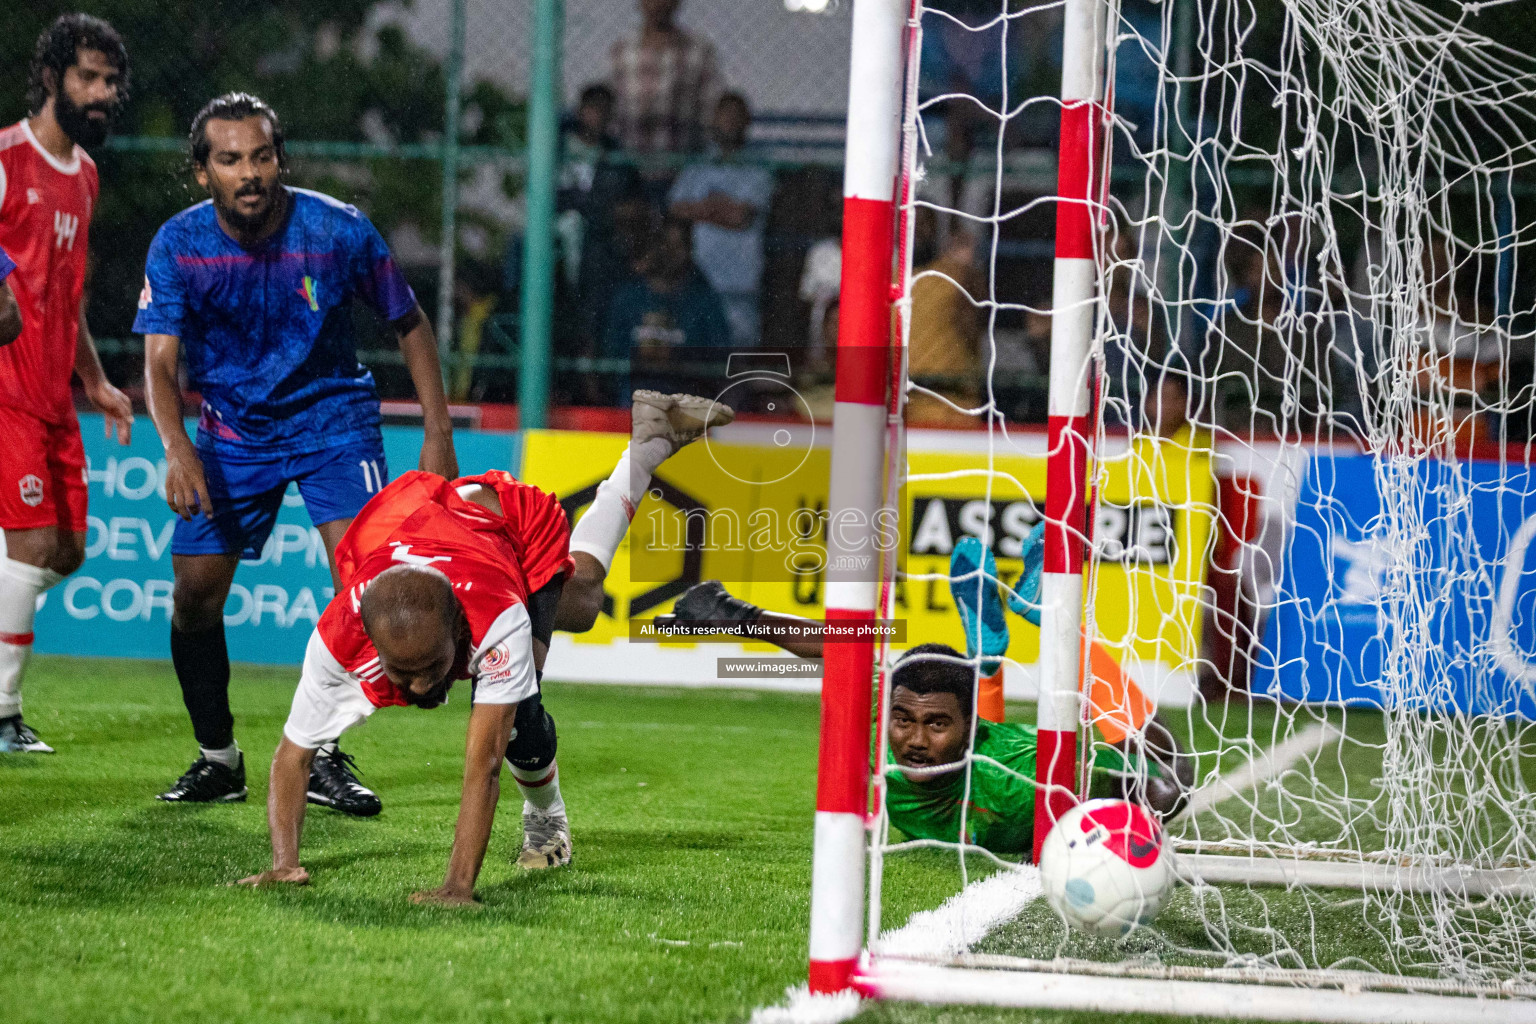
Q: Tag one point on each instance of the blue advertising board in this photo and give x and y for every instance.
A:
(119, 603)
(1432, 608)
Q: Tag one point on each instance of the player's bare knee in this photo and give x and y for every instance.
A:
(196, 606)
(68, 554)
(581, 602)
(32, 547)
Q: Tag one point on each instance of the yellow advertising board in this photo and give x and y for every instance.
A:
(749, 512)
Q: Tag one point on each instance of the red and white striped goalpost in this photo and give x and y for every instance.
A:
(859, 431)
(1070, 403)
(856, 488)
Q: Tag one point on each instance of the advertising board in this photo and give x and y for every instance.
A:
(749, 509)
(119, 603)
(1464, 539)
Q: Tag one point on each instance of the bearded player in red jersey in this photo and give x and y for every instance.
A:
(467, 580)
(48, 188)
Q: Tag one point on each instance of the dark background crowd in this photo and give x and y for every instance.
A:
(691, 222)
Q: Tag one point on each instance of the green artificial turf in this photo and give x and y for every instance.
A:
(687, 899)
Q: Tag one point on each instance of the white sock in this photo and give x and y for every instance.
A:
(229, 757)
(20, 587)
(541, 789)
(327, 750)
(603, 527)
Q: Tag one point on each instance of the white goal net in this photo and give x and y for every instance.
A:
(1312, 497)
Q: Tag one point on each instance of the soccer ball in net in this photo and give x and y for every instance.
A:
(1104, 866)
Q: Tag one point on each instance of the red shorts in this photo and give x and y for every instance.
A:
(42, 473)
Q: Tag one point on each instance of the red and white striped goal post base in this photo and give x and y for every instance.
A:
(858, 450)
(856, 490)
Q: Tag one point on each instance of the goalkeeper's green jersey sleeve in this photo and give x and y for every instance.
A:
(1000, 812)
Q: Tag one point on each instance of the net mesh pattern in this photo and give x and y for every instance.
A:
(1312, 492)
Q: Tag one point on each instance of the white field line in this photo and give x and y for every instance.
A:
(967, 917)
(1265, 766)
(953, 928)
(800, 1006)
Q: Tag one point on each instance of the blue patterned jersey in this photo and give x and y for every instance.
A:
(267, 331)
(6, 266)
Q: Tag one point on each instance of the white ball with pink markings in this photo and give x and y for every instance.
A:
(1105, 867)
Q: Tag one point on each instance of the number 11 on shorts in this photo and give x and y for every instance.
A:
(371, 483)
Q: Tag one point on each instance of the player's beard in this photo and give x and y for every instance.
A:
(77, 122)
(252, 224)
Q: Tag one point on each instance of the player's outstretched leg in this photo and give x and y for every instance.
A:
(531, 759)
(660, 425)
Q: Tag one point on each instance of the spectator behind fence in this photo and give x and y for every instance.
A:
(667, 306)
(1460, 353)
(944, 349)
(727, 202)
(594, 198)
(664, 82)
(1260, 356)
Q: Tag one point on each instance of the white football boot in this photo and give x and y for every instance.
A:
(546, 841)
(681, 419)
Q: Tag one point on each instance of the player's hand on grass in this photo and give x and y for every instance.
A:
(443, 896)
(437, 456)
(115, 406)
(186, 488)
(277, 876)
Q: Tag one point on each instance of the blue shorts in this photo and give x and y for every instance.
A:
(248, 492)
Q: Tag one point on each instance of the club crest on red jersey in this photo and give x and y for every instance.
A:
(31, 490)
(494, 659)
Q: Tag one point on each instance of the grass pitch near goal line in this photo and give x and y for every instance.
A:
(687, 899)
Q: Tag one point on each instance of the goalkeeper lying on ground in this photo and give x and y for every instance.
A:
(931, 698)
(935, 690)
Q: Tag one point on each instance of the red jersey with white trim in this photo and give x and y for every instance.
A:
(493, 561)
(45, 224)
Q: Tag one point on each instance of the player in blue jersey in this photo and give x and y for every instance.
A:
(10, 313)
(254, 287)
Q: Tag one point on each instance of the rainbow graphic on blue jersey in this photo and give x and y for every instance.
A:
(311, 293)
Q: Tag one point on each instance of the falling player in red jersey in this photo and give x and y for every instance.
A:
(48, 187)
(466, 580)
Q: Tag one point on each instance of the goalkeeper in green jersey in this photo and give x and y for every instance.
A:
(932, 706)
(925, 787)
